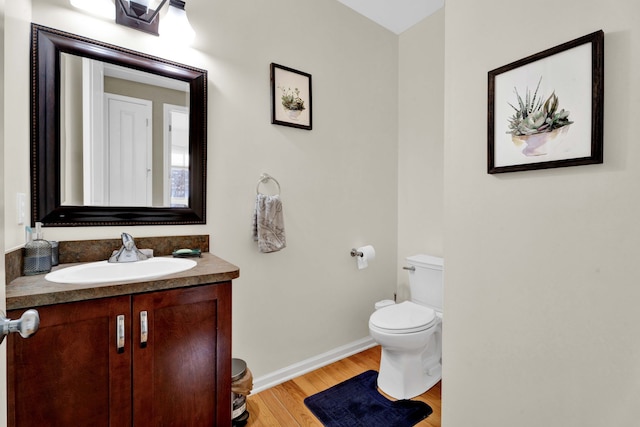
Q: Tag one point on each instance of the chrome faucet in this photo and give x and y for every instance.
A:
(128, 252)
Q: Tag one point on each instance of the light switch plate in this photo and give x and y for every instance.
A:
(21, 203)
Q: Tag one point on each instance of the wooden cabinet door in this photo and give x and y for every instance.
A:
(70, 372)
(182, 374)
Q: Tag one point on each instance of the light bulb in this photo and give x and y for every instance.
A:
(175, 26)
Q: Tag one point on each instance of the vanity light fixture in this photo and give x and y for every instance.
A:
(143, 15)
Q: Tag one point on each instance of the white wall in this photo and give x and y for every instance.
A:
(338, 181)
(14, 21)
(420, 142)
(542, 322)
(16, 117)
(3, 347)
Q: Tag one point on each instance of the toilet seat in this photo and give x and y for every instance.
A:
(403, 318)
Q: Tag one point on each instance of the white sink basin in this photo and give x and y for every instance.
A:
(103, 271)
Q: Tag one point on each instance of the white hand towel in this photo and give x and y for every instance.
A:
(268, 223)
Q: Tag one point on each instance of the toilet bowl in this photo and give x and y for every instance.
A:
(410, 333)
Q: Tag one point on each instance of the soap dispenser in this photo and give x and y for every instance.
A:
(37, 253)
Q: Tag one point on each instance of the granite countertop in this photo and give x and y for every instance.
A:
(34, 291)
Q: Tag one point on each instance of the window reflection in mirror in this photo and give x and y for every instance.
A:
(124, 136)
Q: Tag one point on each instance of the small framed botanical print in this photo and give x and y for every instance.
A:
(290, 97)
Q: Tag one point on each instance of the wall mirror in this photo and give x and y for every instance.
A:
(118, 137)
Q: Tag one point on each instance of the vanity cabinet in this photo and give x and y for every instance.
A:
(171, 368)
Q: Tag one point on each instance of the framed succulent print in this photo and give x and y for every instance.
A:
(546, 110)
(290, 97)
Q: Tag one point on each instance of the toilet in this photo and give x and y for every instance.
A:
(410, 333)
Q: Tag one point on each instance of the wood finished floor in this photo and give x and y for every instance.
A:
(283, 406)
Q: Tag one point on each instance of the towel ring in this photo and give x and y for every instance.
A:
(264, 178)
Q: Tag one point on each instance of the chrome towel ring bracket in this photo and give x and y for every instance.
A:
(264, 178)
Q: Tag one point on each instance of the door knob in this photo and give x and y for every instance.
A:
(26, 325)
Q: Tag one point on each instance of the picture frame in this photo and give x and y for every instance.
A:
(546, 110)
(290, 97)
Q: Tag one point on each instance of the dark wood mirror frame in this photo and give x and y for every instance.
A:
(46, 46)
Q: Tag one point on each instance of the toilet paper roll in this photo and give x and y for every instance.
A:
(368, 254)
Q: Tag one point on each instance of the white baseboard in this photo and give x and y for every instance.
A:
(292, 371)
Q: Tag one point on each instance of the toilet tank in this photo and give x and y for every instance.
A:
(426, 280)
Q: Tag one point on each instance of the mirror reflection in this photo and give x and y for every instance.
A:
(118, 137)
(124, 136)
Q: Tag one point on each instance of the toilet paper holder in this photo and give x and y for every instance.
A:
(363, 256)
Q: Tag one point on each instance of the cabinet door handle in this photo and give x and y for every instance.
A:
(120, 333)
(144, 329)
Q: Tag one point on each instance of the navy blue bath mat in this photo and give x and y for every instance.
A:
(357, 403)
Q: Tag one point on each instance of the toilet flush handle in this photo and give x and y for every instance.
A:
(412, 268)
